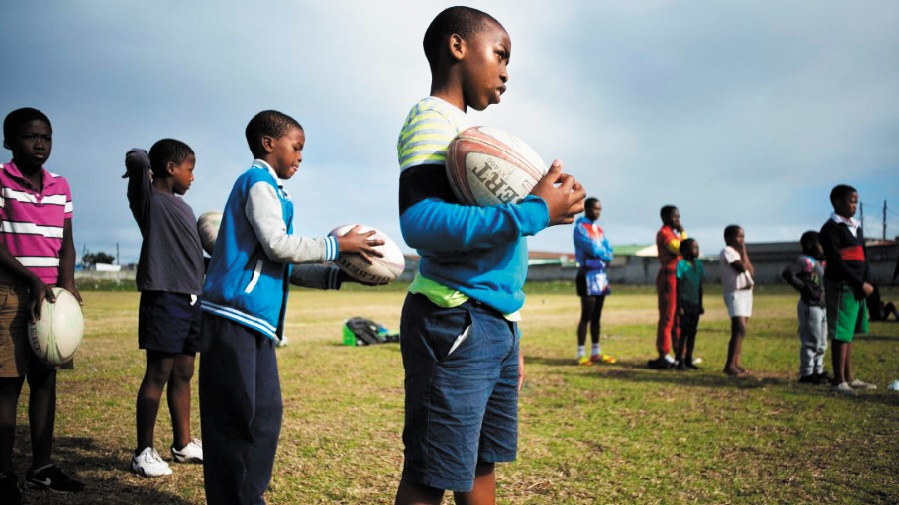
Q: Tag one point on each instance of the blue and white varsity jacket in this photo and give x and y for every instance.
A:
(247, 277)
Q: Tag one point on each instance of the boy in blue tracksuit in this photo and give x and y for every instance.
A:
(244, 300)
(593, 253)
(458, 335)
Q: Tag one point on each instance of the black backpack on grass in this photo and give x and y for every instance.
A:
(359, 331)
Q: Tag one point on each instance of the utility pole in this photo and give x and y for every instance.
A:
(861, 214)
(884, 220)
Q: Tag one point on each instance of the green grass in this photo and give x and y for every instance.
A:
(606, 434)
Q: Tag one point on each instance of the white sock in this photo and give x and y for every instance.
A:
(594, 350)
(581, 352)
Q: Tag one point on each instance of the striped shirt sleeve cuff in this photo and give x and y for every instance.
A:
(331, 251)
(334, 278)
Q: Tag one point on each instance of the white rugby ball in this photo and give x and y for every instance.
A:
(57, 334)
(208, 226)
(383, 270)
(487, 166)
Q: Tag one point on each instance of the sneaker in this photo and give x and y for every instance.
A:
(670, 359)
(584, 361)
(860, 384)
(53, 479)
(810, 379)
(602, 358)
(149, 464)
(9, 489)
(843, 388)
(190, 453)
(660, 364)
(696, 361)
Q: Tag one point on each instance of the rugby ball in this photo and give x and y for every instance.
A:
(208, 227)
(383, 270)
(487, 166)
(57, 334)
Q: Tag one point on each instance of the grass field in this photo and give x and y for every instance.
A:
(606, 434)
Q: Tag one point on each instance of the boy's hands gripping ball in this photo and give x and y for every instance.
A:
(57, 334)
(487, 166)
(382, 263)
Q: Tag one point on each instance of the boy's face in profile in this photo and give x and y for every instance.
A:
(815, 250)
(693, 251)
(737, 239)
(673, 219)
(30, 145)
(484, 66)
(183, 174)
(846, 207)
(285, 153)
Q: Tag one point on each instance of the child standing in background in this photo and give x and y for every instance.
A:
(169, 277)
(807, 276)
(593, 254)
(847, 281)
(668, 241)
(690, 274)
(736, 284)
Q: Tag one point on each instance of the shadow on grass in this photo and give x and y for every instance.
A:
(102, 470)
(638, 371)
(876, 338)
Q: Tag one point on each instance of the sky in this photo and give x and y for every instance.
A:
(742, 112)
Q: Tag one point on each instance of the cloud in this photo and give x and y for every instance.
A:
(742, 112)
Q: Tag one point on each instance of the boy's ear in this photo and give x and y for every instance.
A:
(268, 143)
(457, 47)
(170, 167)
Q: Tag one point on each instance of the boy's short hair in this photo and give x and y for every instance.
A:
(18, 117)
(164, 151)
(840, 192)
(686, 245)
(268, 123)
(667, 211)
(590, 201)
(808, 240)
(730, 231)
(462, 21)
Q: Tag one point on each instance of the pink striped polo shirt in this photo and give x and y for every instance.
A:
(32, 221)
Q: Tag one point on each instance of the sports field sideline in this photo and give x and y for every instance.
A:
(605, 434)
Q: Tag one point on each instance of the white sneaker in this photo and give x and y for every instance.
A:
(670, 359)
(843, 388)
(190, 453)
(149, 464)
(860, 384)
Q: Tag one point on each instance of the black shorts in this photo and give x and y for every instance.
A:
(169, 322)
(580, 283)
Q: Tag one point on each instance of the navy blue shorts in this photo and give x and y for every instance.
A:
(169, 322)
(461, 387)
